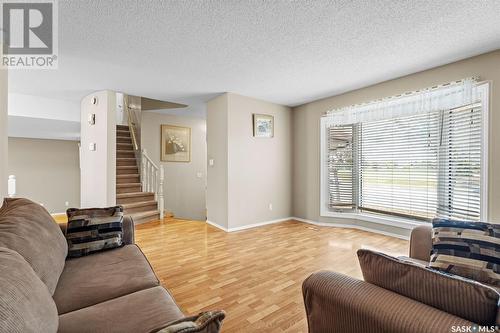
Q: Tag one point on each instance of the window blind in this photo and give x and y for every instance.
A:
(460, 161)
(398, 168)
(341, 168)
(421, 166)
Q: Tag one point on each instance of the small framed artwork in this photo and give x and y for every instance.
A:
(175, 143)
(263, 125)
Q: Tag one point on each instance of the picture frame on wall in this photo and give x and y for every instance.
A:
(175, 143)
(263, 125)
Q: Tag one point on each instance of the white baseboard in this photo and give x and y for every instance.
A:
(260, 224)
(249, 226)
(350, 226)
(213, 224)
(321, 224)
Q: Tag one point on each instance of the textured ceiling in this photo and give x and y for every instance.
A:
(288, 52)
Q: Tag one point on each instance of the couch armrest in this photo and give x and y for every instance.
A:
(338, 303)
(128, 230)
(63, 226)
(421, 243)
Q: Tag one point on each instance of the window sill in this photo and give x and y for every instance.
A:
(385, 220)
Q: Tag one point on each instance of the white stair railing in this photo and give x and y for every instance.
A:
(152, 178)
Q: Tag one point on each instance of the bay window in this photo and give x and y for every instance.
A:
(411, 157)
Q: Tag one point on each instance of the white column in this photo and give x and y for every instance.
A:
(98, 150)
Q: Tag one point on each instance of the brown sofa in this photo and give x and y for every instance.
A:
(338, 303)
(111, 291)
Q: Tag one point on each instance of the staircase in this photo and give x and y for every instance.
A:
(142, 206)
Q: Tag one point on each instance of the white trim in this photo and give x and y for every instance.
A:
(484, 91)
(392, 221)
(323, 189)
(249, 226)
(351, 226)
(260, 224)
(213, 224)
(321, 224)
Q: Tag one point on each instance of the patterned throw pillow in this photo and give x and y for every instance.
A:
(468, 249)
(91, 230)
(205, 322)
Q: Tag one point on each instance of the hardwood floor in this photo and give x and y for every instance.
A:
(254, 275)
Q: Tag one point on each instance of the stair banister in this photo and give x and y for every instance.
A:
(150, 180)
(161, 200)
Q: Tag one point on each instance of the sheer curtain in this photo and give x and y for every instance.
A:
(433, 99)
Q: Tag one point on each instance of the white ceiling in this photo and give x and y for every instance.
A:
(288, 52)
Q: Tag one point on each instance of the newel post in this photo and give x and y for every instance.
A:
(12, 186)
(161, 200)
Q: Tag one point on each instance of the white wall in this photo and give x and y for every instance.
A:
(250, 173)
(3, 131)
(42, 107)
(47, 172)
(98, 168)
(43, 118)
(185, 183)
(217, 149)
(259, 169)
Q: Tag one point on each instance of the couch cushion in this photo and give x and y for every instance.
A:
(25, 302)
(102, 276)
(468, 249)
(461, 297)
(27, 228)
(144, 311)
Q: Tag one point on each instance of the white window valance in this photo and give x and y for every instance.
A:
(444, 97)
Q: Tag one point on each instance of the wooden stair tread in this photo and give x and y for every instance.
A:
(128, 175)
(128, 184)
(133, 195)
(126, 158)
(139, 204)
(126, 167)
(143, 215)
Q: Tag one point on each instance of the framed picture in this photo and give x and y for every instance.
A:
(263, 126)
(175, 143)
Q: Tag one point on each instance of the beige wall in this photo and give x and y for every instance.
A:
(3, 130)
(306, 121)
(259, 169)
(98, 168)
(47, 171)
(217, 148)
(184, 190)
(249, 174)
